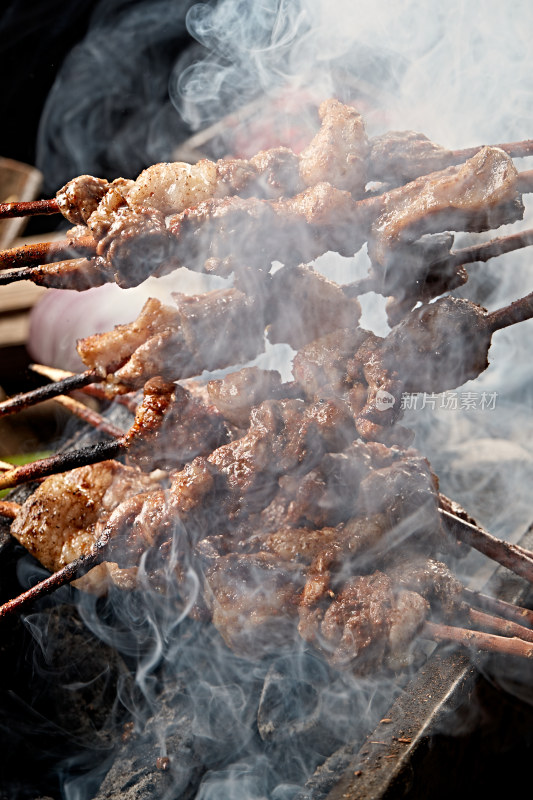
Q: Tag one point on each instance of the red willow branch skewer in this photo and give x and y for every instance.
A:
(518, 311)
(62, 462)
(477, 639)
(96, 390)
(46, 252)
(514, 558)
(29, 208)
(500, 607)
(68, 573)
(518, 149)
(48, 391)
(88, 415)
(501, 626)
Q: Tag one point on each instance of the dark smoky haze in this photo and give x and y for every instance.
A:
(144, 78)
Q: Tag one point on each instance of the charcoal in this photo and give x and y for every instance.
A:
(161, 761)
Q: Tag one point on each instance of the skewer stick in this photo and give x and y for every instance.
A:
(100, 391)
(465, 255)
(518, 311)
(21, 401)
(45, 252)
(513, 149)
(478, 640)
(491, 249)
(29, 208)
(514, 558)
(65, 575)
(9, 509)
(501, 626)
(89, 416)
(62, 462)
(524, 182)
(77, 273)
(499, 607)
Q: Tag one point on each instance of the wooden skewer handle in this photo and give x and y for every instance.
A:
(518, 311)
(46, 392)
(516, 559)
(29, 208)
(478, 640)
(73, 570)
(62, 462)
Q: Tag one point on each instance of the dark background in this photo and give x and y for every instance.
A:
(98, 70)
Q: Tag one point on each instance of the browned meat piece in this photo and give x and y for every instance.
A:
(80, 197)
(407, 490)
(339, 151)
(171, 187)
(220, 328)
(114, 200)
(431, 579)
(233, 176)
(397, 157)
(241, 477)
(366, 626)
(439, 345)
(278, 173)
(304, 305)
(326, 548)
(67, 514)
(203, 332)
(237, 393)
(269, 174)
(328, 494)
(253, 602)
(377, 410)
(136, 244)
(475, 196)
(219, 234)
(107, 352)
(322, 363)
(349, 364)
(171, 427)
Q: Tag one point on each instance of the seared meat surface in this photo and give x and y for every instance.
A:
(67, 514)
(476, 196)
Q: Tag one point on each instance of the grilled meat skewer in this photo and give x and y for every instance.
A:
(339, 153)
(219, 234)
(346, 607)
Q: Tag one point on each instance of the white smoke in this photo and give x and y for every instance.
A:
(458, 71)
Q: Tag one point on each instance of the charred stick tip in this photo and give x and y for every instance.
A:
(65, 575)
(48, 391)
(62, 462)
